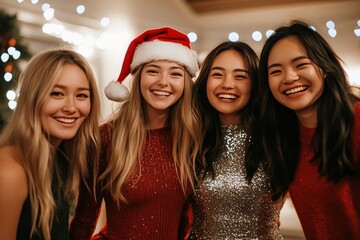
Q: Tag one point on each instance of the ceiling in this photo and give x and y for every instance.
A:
(212, 20)
(211, 6)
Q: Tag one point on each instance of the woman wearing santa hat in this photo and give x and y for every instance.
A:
(148, 147)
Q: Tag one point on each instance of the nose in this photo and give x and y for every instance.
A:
(290, 76)
(69, 104)
(163, 79)
(228, 82)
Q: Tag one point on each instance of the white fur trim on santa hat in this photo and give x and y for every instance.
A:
(116, 91)
(161, 50)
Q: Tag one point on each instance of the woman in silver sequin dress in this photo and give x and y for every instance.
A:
(233, 194)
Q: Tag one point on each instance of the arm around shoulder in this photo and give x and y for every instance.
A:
(14, 190)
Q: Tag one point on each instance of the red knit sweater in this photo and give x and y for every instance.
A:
(327, 210)
(155, 198)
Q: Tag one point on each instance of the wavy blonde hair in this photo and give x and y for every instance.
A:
(130, 130)
(24, 131)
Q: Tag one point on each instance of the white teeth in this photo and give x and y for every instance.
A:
(66, 120)
(295, 90)
(228, 96)
(161, 93)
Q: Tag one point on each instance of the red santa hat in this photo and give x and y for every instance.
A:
(154, 44)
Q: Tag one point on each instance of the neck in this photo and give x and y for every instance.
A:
(229, 120)
(55, 142)
(157, 120)
(308, 118)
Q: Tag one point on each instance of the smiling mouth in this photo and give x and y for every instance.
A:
(295, 90)
(66, 120)
(227, 96)
(161, 93)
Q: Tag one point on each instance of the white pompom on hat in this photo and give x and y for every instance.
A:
(154, 44)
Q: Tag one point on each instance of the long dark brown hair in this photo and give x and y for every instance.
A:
(211, 136)
(278, 126)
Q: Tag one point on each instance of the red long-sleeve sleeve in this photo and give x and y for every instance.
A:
(86, 215)
(88, 208)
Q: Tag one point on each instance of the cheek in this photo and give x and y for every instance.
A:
(142, 89)
(245, 91)
(144, 84)
(244, 86)
(49, 107)
(45, 114)
(210, 87)
(142, 80)
(85, 108)
(273, 85)
(319, 74)
(320, 87)
(141, 84)
(43, 119)
(179, 85)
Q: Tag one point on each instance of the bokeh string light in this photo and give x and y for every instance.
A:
(100, 38)
(12, 50)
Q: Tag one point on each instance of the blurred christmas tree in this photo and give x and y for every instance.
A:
(12, 51)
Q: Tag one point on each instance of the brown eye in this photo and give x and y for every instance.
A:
(301, 65)
(216, 74)
(55, 93)
(274, 72)
(176, 74)
(240, 77)
(82, 95)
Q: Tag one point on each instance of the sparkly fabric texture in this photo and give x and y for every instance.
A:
(227, 207)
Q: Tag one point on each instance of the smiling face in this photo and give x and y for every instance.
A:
(161, 85)
(228, 86)
(67, 106)
(294, 79)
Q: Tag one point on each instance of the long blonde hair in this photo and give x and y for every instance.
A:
(130, 130)
(37, 156)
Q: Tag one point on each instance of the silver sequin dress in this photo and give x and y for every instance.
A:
(226, 206)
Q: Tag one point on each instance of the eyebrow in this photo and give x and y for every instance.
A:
(172, 67)
(235, 70)
(64, 87)
(292, 61)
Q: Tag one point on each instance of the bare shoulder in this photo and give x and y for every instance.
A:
(12, 174)
(14, 191)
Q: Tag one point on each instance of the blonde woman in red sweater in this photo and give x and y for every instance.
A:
(149, 147)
